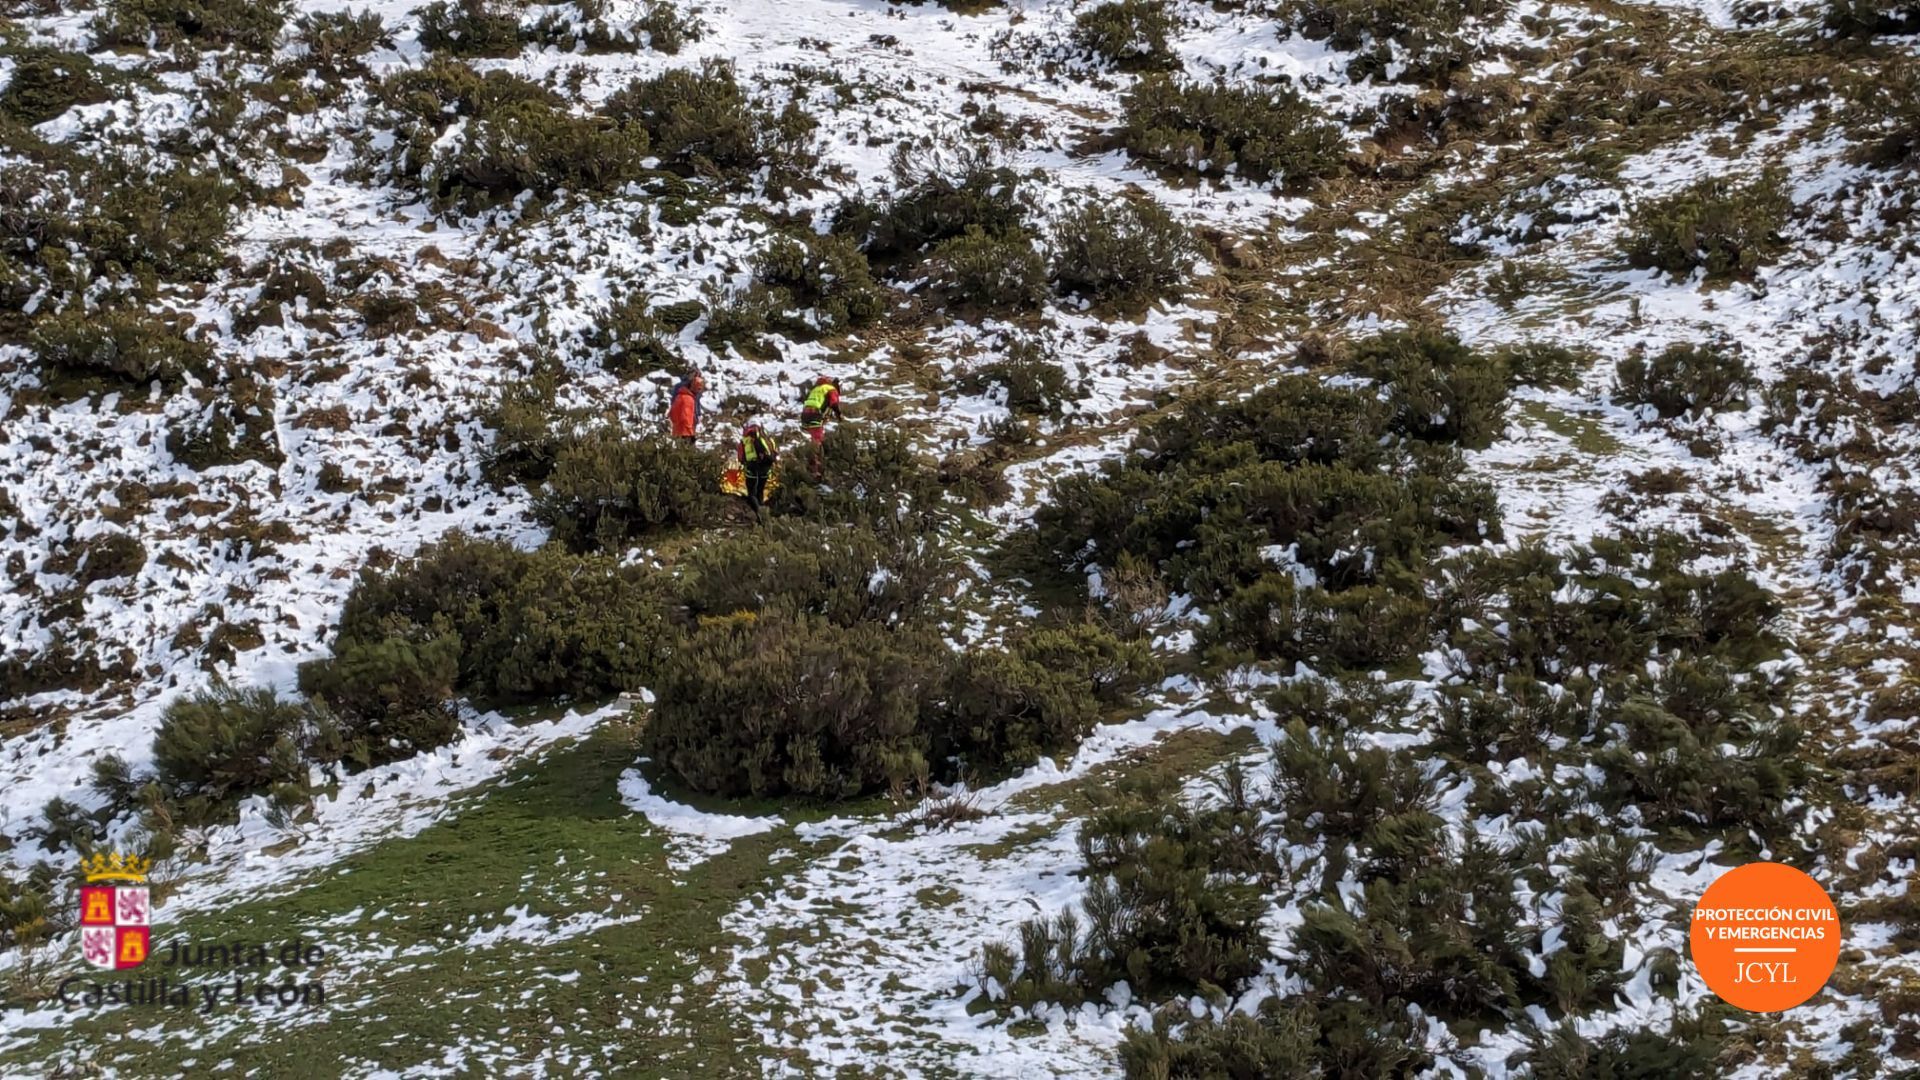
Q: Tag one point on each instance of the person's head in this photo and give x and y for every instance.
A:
(824, 380)
(698, 383)
(751, 427)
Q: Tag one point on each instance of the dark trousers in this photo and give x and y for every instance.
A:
(757, 483)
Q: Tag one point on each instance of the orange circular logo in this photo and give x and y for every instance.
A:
(1765, 937)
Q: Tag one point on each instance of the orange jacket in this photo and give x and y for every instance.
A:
(681, 414)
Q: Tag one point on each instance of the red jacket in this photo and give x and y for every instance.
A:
(682, 413)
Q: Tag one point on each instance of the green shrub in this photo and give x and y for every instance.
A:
(784, 705)
(607, 487)
(935, 198)
(1119, 250)
(1428, 33)
(224, 741)
(1327, 789)
(47, 82)
(1034, 384)
(335, 41)
(1000, 270)
(1684, 380)
(1687, 1051)
(1007, 708)
(868, 474)
(392, 692)
(1299, 1037)
(31, 907)
(572, 627)
(123, 347)
(1366, 626)
(1536, 363)
(1293, 419)
(634, 340)
(1438, 389)
(247, 24)
(701, 122)
(92, 221)
(1446, 936)
(441, 90)
(844, 574)
(465, 616)
(1263, 133)
(826, 274)
(529, 146)
(525, 439)
(1130, 34)
(1723, 228)
(1160, 912)
(1866, 18)
(483, 28)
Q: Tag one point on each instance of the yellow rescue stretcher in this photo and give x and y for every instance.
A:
(734, 480)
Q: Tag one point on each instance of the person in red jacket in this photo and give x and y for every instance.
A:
(683, 415)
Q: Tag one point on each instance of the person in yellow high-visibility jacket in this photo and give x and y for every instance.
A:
(757, 455)
(824, 398)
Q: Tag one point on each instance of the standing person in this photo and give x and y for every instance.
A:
(757, 455)
(683, 415)
(824, 398)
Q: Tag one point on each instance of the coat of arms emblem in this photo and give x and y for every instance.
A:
(115, 917)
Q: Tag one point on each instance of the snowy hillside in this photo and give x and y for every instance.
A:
(1348, 516)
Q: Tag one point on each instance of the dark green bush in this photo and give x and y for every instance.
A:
(994, 270)
(1130, 34)
(1445, 937)
(934, 198)
(1536, 363)
(1263, 133)
(1688, 1050)
(777, 704)
(1685, 380)
(119, 347)
(844, 574)
(1427, 33)
(1293, 516)
(1161, 912)
(826, 275)
(525, 440)
(1365, 626)
(529, 146)
(701, 122)
(1119, 250)
(1439, 390)
(608, 487)
(1035, 384)
(47, 82)
(634, 339)
(88, 221)
(868, 474)
(224, 741)
(1866, 18)
(1007, 708)
(1299, 1037)
(247, 24)
(1723, 228)
(465, 616)
(335, 41)
(484, 28)
(392, 692)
